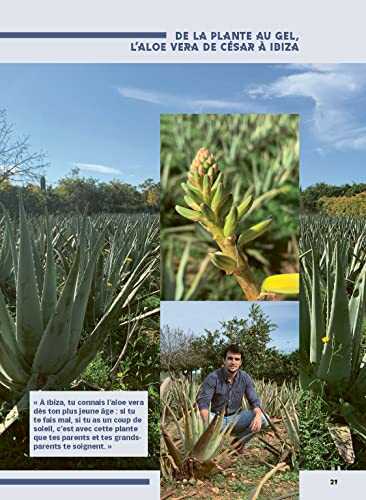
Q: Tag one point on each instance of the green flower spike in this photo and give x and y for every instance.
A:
(211, 204)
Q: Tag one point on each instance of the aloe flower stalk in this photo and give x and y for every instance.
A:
(211, 204)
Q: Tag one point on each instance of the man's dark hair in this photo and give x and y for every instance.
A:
(234, 348)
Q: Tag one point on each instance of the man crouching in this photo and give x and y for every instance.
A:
(225, 388)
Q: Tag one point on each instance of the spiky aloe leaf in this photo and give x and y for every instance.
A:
(11, 238)
(29, 325)
(53, 350)
(206, 446)
(317, 324)
(95, 340)
(49, 290)
(291, 422)
(172, 448)
(6, 261)
(305, 308)
(335, 365)
(357, 305)
(82, 296)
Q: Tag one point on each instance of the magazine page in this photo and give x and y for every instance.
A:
(182, 250)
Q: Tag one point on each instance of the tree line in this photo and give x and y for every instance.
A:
(313, 198)
(74, 194)
(183, 352)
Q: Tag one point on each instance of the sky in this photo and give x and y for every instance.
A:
(195, 317)
(104, 118)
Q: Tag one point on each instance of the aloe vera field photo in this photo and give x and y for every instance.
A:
(79, 268)
(333, 328)
(229, 209)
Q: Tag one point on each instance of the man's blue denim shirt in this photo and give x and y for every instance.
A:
(220, 393)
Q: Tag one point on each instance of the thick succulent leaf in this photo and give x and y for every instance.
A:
(206, 446)
(172, 448)
(292, 424)
(12, 240)
(6, 261)
(38, 264)
(29, 325)
(53, 350)
(335, 365)
(10, 365)
(82, 296)
(49, 291)
(357, 305)
(317, 325)
(7, 383)
(305, 310)
(95, 340)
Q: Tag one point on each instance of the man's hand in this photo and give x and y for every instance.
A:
(256, 423)
(204, 415)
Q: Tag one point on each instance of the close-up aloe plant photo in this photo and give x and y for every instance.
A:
(229, 209)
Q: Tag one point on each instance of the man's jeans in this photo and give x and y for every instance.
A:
(242, 426)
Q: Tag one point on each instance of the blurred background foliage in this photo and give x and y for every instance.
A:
(261, 155)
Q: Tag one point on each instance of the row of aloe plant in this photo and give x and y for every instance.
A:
(332, 322)
(63, 290)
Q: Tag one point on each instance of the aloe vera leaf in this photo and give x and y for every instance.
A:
(172, 448)
(335, 365)
(179, 288)
(49, 290)
(82, 296)
(205, 446)
(317, 326)
(29, 325)
(304, 334)
(357, 305)
(91, 346)
(53, 350)
(11, 236)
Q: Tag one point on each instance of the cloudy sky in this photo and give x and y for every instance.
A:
(104, 118)
(195, 317)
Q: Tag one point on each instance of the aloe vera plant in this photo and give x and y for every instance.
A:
(192, 448)
(45, 345)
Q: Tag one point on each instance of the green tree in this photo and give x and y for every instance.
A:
(251, 333)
